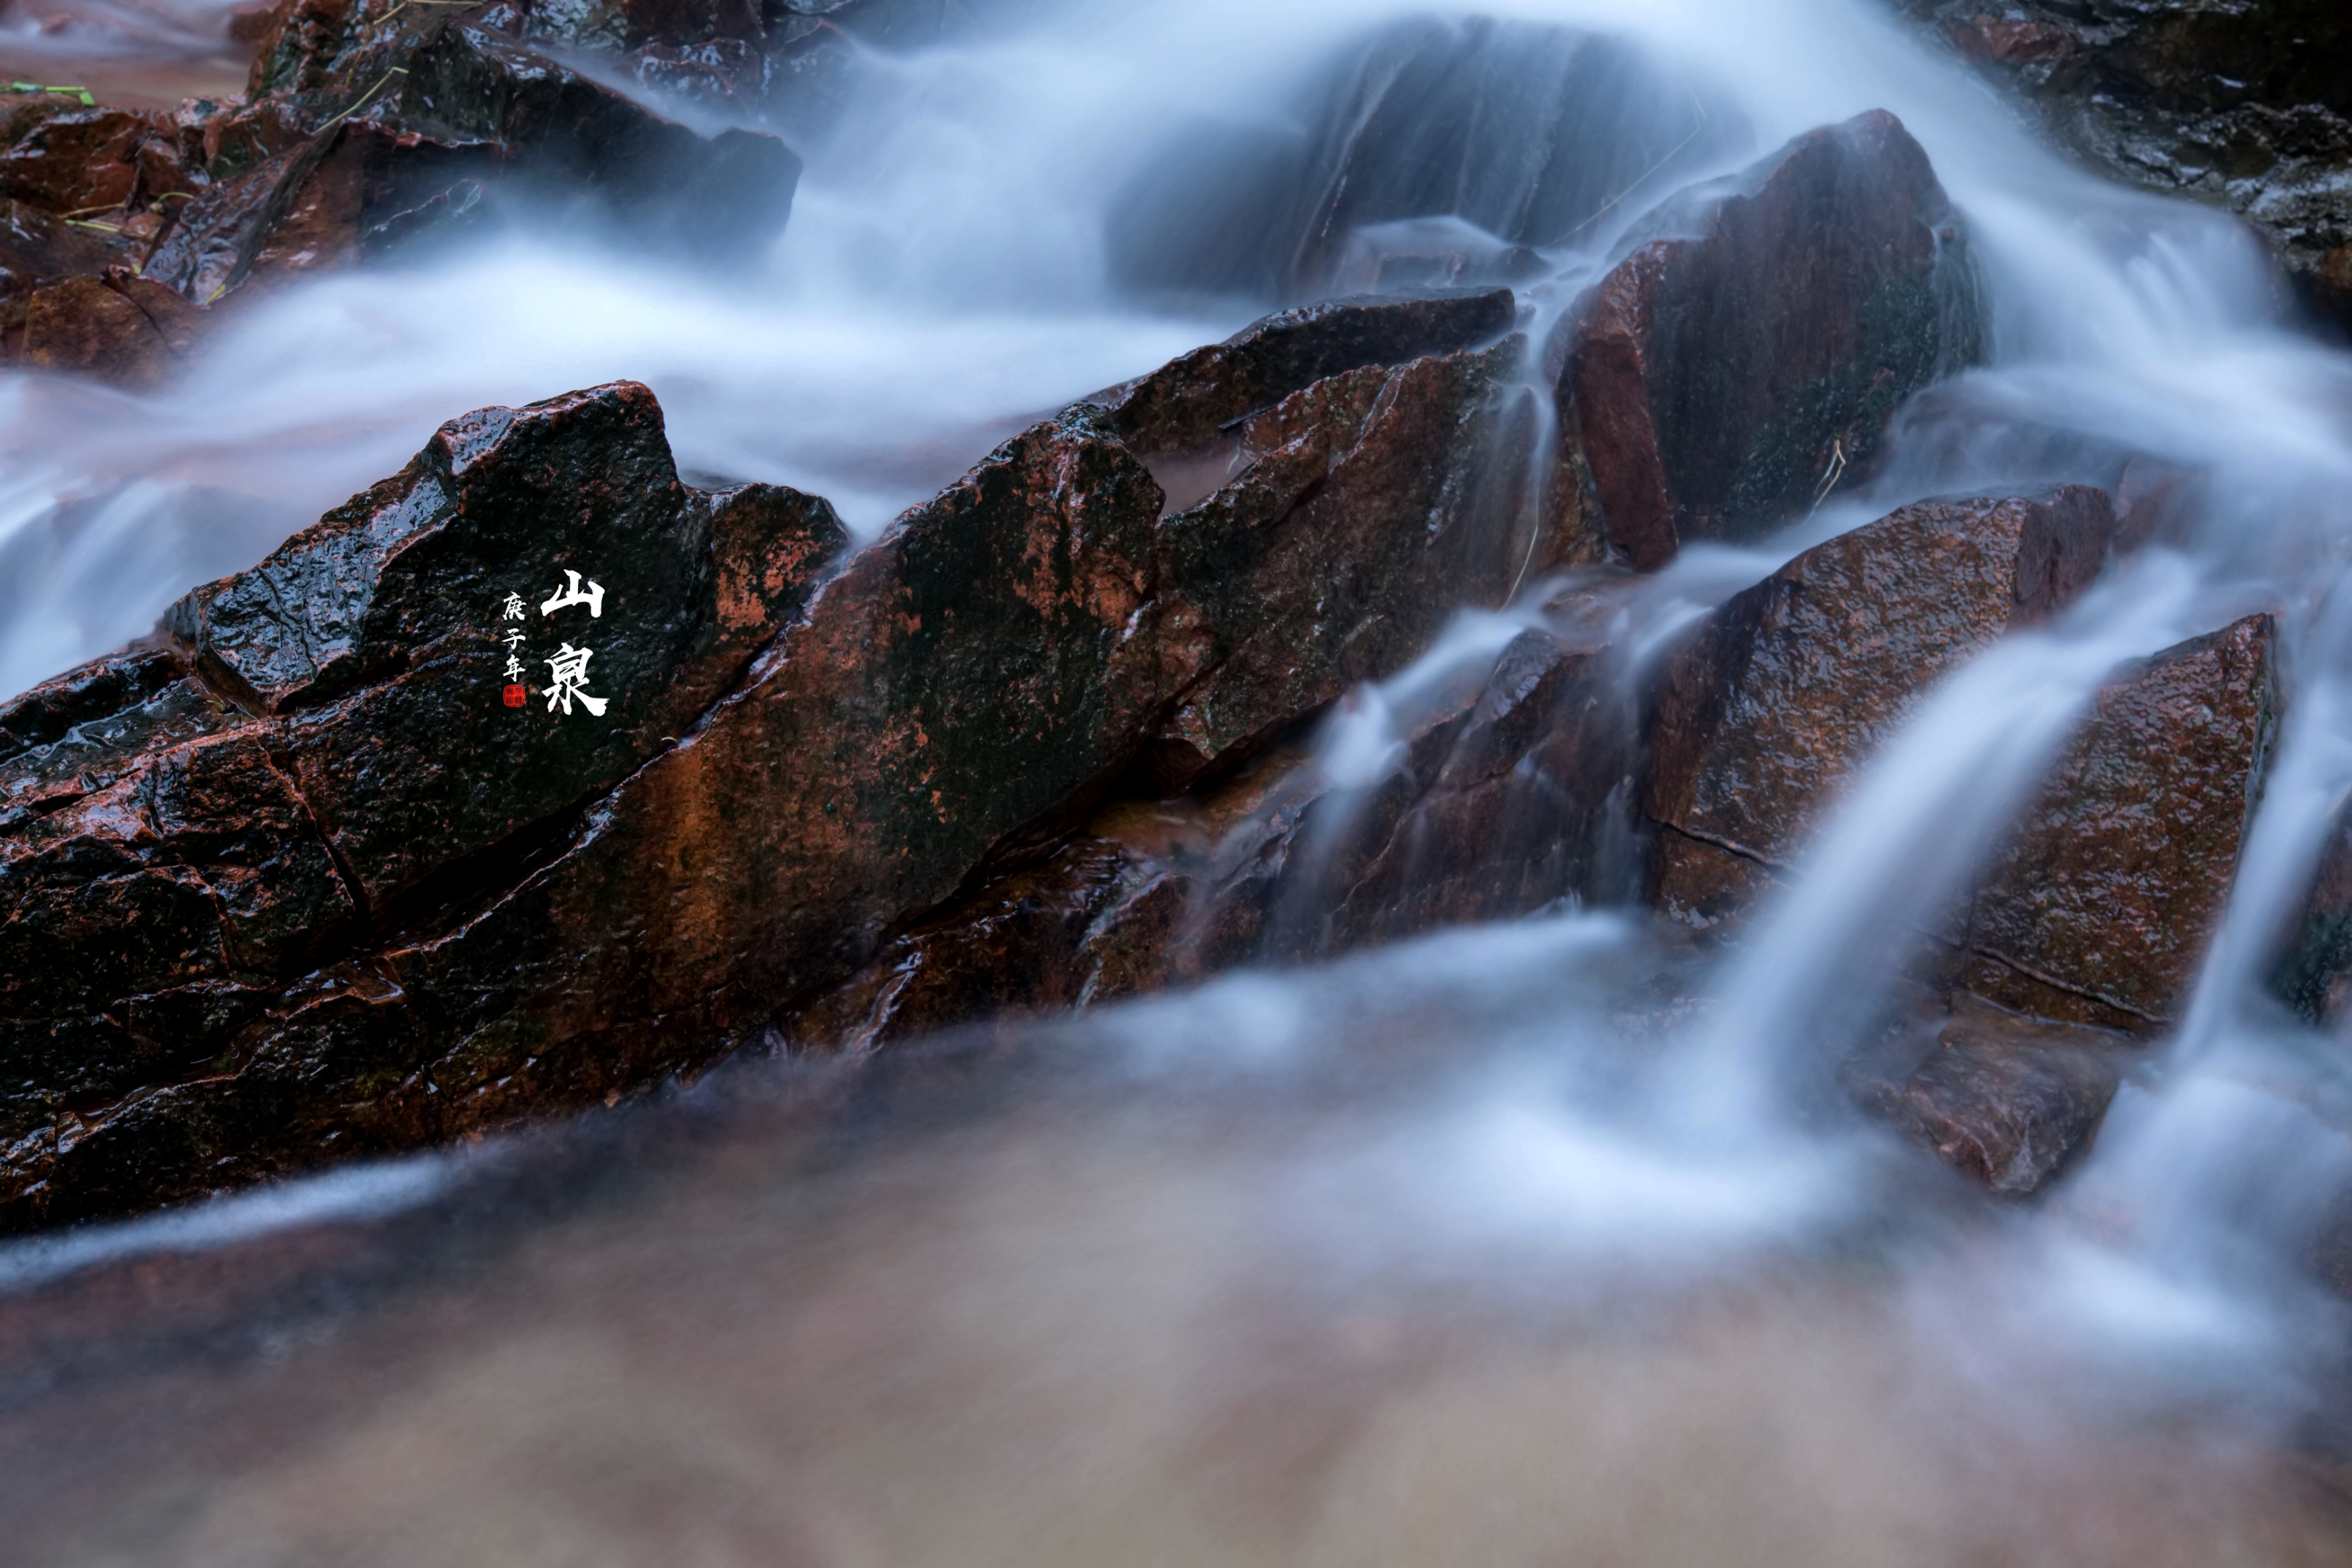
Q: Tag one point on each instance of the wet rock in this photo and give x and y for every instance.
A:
(1777, 702)
(372, 129)
(550, 910)
(1194, 402)
(2099, 906)
(191, 828)
(118, 326)
(2246, 106)
(1719, 385)
(76, 164)
(39, 249)
(565, 132)
(1501, 802)
(379, 632)
(2006, 1099)
(1370, 505)
(2311, 971)
(355, 194)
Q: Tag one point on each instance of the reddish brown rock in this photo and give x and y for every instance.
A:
(2006, 1099)
(2012, 42)
(37, 249)
(1501, 802)
(1199, 400)
(2100, 906)
(1718, 385)
(78, 164)
(355, 194)
(119, 328)
(549, 910)
(189, 830)
(1369, 506)
(1786, 691)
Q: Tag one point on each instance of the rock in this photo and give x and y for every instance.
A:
(36, 250)
(355, 194)
(1769, 711)
(1719, 385)
(2006, 1099)
(2245, 106)
(1199, 400)
(191, 828)
(1501, 802)
(2099, 906)
(119, 328)
(368, 133)
(77, 163)
(564, 133)
(541, 909)
(1372, 504)
(2311, 971)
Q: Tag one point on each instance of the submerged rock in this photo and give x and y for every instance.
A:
(2008, 1100)
(1782, 696)
(1721, 385)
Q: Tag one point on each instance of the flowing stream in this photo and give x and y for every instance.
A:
(1452, 1252)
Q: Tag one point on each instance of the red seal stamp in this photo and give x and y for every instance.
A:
(516, 696)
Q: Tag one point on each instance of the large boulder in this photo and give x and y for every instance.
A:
(301, 881)
(1776, 702)
(1720, 384)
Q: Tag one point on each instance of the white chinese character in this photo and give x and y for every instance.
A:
(514, 668)
(571, 668)
(513, 638)
(514, 606)
(567, 597)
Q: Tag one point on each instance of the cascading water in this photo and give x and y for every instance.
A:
(1050, 205)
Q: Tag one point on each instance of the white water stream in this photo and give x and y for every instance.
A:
(957, 264)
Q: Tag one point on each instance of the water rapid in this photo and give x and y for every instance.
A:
(1451, 1250)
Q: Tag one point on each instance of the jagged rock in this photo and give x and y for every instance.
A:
(1199, 400)
(2099, 906)
(1371, 505)
(356, 193)
(190, 829)
(1782, 693)
(1718, 385)
(118, 326)
(565, 132)
(2006, 1099)
(2246, 105)
(533, 910)
(1501, 802)
(76, 164)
